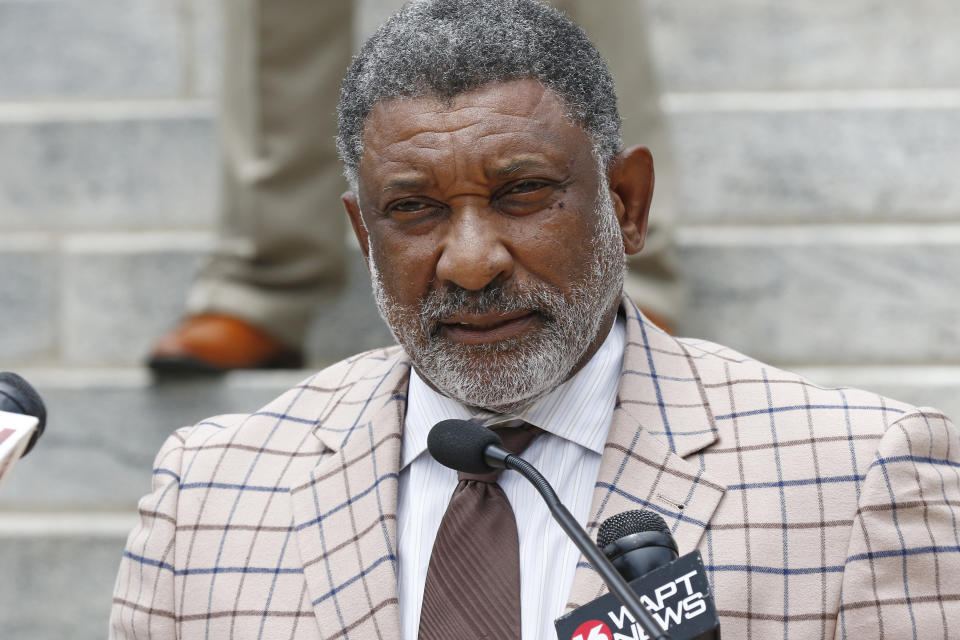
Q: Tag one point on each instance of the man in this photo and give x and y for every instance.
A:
(494, 205)
(282, 233)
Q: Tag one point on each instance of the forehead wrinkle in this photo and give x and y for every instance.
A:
(449, 114)
(426, 142)
(399, 174)
(445, 123)
(432, 139)
(422, 143)
(445, 118)
(525, 150)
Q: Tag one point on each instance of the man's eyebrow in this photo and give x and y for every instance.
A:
(405, 183)
(517, 165)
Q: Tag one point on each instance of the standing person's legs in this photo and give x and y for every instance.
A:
(282, 224)
(618, 29)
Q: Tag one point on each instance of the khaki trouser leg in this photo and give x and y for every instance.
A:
(282, 223)
(618, 29)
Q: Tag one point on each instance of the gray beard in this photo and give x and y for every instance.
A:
(510, 374)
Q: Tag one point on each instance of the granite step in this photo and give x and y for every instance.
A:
(741, 157)
(102, 299)
(163, 48)
(803, 294)
(71, 49)
(107, 166)
(820, 44)
(58, 573)
(827, 157)
(142, 280)
(839, 294)
(106, 426)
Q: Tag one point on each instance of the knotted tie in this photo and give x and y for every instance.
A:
(473, 581)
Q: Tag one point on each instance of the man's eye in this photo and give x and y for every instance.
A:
(413, 212)
(527, 186)
(408, 206)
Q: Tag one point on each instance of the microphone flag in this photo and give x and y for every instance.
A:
(677, 595)
(15, 432)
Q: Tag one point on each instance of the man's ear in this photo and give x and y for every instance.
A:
(631, 181)
(352, 205)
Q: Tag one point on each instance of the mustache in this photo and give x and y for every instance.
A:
(451, 300)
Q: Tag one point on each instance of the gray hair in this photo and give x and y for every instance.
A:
(444, 48)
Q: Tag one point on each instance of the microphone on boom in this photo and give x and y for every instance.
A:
(471, 448)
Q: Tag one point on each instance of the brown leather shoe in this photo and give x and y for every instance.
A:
(216, 343)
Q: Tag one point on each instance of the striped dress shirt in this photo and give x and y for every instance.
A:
(576, 417)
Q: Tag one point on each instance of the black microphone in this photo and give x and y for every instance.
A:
(466, 446)
(637, 542)
(462, 445)
(674, 590)
(17, 396)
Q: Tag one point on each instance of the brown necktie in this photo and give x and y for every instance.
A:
(473, 581)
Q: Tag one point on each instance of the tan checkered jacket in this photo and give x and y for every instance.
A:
(820, 513)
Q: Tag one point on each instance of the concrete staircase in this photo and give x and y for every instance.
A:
(818, 146)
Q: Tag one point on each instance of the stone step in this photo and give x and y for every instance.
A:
(929, 386)
(107, 165)
(106, 425)
(810, 157)
(840, 294)
(108, 49)
(820, 294)
(120, 292)
(58, 573)
(86, 300)
(821, 44)
(29, 297)
(102, 299)
(817, 156)
(163, 48)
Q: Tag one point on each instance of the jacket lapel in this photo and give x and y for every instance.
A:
(345, 512)
(662, 416)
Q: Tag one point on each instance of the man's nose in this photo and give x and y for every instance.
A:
(473, 253)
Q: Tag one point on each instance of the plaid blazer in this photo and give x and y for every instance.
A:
(820, 513)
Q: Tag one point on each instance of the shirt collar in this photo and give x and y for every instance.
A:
(579, 410)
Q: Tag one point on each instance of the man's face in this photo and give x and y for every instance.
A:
(492, 240)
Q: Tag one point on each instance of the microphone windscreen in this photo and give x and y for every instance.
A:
(628, 523)
(17, 396)
(460, 444)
